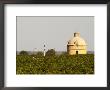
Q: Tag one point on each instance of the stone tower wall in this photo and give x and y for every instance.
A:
(74, 49)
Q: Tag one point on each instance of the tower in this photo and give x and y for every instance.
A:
(44, 50)
(76, 45)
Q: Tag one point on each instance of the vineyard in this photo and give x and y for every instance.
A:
(58, 64)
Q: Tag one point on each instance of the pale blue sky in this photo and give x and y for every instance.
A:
(33, 32)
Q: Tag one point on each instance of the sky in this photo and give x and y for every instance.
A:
(53, 31)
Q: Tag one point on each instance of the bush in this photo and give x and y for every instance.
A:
(23, 53)
(39, 54)
(50, 52)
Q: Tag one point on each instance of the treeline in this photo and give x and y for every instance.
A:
(39, 53)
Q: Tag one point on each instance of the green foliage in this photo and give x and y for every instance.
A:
(39, 54)
(23, 53)
(62, 64)
(50, 52)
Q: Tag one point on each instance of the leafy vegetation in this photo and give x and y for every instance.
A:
(55, 64)
(39, 54)
(50, 52)
(23, 53)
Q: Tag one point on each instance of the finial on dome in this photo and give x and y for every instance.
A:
(76, 34)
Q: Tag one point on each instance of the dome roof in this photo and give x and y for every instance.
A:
(77, 40)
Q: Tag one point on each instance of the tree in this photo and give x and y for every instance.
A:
(23, 53)
(39, 54)
(50, 52)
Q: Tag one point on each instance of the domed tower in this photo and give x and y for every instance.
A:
(76, 45)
